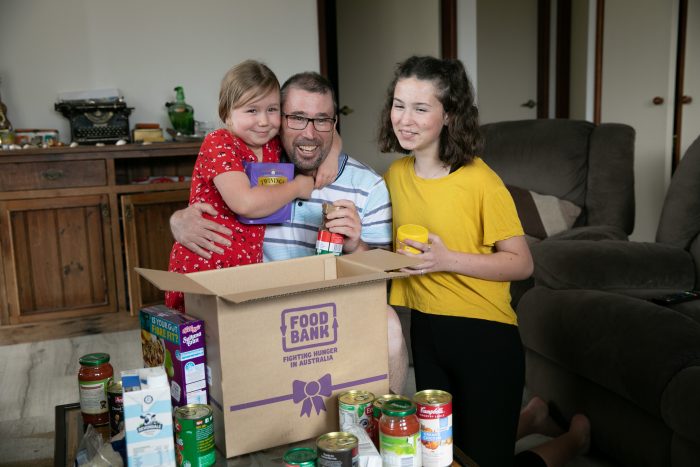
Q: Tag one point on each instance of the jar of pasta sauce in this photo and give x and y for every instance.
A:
(399, 434)
(94, 376)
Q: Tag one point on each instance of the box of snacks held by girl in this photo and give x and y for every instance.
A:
(175, 341)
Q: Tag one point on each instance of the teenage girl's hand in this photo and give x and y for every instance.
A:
(305, 185)
(434, 255)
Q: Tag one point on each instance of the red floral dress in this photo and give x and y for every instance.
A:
(220, 152)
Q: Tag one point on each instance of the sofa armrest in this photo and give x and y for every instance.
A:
(612, 265)
(591, 232)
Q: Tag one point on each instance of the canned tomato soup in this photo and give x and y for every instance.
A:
(355, 407)
(300, 457)
(434, 410)
(338, 449)
(194, 435)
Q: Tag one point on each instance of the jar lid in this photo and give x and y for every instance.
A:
(94, 359)
(398, 408)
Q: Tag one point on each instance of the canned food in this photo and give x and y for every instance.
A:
(338, 449)
(377, 413)
(326, 241)
(355, 407)
(300, 457)
(434, 410)
(115, 403)
(194, 435)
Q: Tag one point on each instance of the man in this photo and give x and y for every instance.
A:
(309, 113)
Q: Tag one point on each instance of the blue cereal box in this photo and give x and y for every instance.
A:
(175, 341)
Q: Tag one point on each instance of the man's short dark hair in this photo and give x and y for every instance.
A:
(309, 81)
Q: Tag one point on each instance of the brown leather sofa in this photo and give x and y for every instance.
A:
(554, 165)
(596, 344)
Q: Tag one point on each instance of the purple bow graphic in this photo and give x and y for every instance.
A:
(311, 393)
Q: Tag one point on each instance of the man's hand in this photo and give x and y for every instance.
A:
(198, 234)
(346, 221)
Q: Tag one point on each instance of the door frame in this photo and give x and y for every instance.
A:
(328, 48)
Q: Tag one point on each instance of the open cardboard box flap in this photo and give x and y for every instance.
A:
(301, 274)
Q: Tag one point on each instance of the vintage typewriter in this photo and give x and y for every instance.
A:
(96, 120)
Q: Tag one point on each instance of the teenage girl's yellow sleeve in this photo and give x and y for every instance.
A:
(501, 219)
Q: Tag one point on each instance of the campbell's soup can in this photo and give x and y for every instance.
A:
(434, 411)
(338, 449)
(355, 407)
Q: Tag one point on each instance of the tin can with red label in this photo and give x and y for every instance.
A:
(435, 416)
(355, 407)
(327, 241)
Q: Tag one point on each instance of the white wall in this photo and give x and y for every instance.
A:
(145, 49)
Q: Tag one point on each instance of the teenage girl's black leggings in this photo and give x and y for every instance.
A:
(481, 363)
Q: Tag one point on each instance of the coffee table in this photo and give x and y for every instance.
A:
(69, 432)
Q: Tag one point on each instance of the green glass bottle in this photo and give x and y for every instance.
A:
(181, 114)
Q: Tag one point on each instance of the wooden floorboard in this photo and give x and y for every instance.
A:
(69, 327)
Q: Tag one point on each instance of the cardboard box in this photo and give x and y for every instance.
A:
(175, 341)
(285, 338)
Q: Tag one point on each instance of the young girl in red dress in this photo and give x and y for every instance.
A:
(249, 106)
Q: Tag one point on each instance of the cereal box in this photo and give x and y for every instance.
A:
(176, 341)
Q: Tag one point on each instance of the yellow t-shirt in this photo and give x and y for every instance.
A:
(470, 209)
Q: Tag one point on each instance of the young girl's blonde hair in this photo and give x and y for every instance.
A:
(248, 80)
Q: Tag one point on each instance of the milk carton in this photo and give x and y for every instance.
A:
(148, 420)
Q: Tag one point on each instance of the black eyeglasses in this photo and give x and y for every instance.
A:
(297, 122)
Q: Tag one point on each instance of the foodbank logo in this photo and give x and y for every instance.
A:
(310, 326)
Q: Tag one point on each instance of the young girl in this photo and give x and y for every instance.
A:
(464, 332)
(249, 106)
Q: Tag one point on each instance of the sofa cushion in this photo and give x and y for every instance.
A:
(544, 155)
(543, 215)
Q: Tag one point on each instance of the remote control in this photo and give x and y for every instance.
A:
(679, 297)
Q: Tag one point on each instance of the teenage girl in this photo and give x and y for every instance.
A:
(464, 332)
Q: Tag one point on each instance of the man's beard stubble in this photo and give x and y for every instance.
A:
(303, 164)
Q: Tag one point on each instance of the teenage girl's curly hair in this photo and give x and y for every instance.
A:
(243, 83)
(461, 139)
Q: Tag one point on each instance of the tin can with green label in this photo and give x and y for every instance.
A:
(300, 457)
(194, 436)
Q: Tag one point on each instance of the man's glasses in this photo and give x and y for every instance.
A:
(297, 122)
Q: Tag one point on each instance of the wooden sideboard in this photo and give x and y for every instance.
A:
(74, 223)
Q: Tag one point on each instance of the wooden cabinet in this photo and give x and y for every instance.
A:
(74, 222)
(147, 240)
